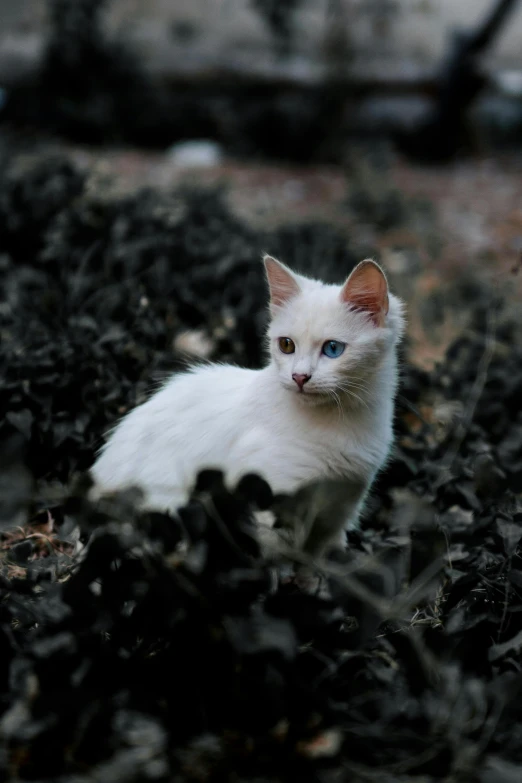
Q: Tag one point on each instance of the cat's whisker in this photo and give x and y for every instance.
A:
(355, 390)
(365, 394)
(337, 401)
(351, 393)
(356, 397)
(363, 387)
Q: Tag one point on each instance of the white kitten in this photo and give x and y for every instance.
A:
(322, 408)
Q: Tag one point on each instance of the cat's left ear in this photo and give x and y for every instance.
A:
(281, 281)
(367, 289)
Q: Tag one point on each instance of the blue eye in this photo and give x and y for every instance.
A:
(333, 348)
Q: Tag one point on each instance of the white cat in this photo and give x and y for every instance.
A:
(322, 408)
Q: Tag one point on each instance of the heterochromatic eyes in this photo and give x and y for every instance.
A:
(333, 348)
(286, 345)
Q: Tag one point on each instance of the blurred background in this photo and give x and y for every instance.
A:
(398, 122)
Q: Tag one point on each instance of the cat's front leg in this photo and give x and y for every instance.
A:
(328, 531)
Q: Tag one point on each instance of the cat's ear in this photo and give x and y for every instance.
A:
(282, 282)
(367, 289)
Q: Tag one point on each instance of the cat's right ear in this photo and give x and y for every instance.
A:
(282, 282)
(367, 289)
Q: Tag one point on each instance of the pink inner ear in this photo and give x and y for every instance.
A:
(366, 289)
(283, 285)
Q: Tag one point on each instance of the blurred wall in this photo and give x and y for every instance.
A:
(383, 39)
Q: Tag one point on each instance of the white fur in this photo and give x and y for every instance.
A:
(241, 421)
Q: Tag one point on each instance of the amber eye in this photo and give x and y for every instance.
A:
(286, 345)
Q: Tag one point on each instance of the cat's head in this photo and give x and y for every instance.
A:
(327, 340)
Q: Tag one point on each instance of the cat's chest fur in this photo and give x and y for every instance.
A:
(293, 443)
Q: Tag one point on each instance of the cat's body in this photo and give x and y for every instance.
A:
(304, 417)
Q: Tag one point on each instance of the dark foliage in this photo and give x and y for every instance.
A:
(142, 647)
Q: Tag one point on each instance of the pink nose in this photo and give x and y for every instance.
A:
(301, 379)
